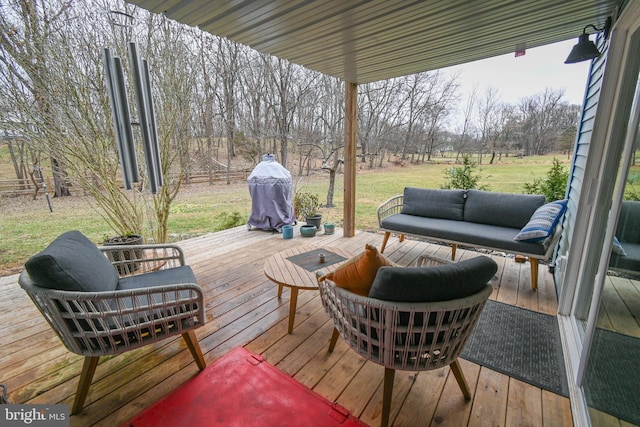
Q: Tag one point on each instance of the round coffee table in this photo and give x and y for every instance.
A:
(296, 269)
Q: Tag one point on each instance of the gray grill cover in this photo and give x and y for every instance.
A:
(270, 186)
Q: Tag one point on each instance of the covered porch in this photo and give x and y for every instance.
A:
(362, 42)
(242, 309)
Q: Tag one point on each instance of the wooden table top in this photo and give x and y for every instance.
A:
(296, 267)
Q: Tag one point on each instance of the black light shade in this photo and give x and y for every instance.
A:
(583, 51)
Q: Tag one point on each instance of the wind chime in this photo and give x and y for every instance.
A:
(116, 87)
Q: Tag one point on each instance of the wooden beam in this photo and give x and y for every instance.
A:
(350, 131)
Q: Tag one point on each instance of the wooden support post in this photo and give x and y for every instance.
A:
(351, 131)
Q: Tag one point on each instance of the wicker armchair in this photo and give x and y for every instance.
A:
(156, 297)
(404, 335)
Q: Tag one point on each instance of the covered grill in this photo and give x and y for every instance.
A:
(271, 187)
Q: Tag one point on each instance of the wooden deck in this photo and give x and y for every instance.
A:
(243, 310)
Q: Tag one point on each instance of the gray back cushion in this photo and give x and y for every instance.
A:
(628, 229)
(445, 204)
(503, 209)
(430, 284)
(72, 263)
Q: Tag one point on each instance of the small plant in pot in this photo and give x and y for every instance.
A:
(308, 230)
(329, 227)
(305, 205)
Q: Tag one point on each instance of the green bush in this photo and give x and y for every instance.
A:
(305, 204)
(554, 186)
(231, 220)
(463, 177)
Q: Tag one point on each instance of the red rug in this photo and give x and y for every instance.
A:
(242, 389)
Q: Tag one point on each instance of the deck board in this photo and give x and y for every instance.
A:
(243, 310)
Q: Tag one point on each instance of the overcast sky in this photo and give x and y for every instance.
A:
(527, 75)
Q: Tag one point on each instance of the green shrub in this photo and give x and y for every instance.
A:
(231, 220)
(554, 186)
(305, 204)
(631, 193)
(464, 177)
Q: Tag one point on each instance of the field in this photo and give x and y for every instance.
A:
(26, 225)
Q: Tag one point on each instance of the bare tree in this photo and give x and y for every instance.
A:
(252, 92)
(377, 115)
(541, 120)
(72, 117)
(489, 122)
(228, 69)
(26, 29)
(289, 84)
(442, 100)
(204, 102)
(467, 122)
(330, 112)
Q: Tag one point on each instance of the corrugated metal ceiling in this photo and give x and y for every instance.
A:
(369, 40)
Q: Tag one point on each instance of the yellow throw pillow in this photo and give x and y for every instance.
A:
(357, 274)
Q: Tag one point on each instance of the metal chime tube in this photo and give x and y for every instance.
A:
(113, 100)
(143, 112)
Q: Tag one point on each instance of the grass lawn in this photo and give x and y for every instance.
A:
(27, 226)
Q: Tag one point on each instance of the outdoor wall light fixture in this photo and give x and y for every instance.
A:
(586, 49)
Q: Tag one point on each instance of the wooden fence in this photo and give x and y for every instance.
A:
(16, 187)
(20, 187)
(197, 177)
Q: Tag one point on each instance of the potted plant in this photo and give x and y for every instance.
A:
(128, 238)
(305, 205)
(308, 230)
(329, 227)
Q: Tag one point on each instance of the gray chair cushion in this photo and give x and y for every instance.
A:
(503, 209)
(72, 263)
(445, 204)
(170, 276)
(430, 284)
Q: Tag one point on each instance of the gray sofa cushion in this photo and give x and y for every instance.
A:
(503, 209)
(446, 204)
(627, 257)
(430, 284)
(482, 235)
(630, 261)
(628, 228)
(72, 263)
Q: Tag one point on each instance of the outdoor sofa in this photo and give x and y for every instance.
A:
(514, 223)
